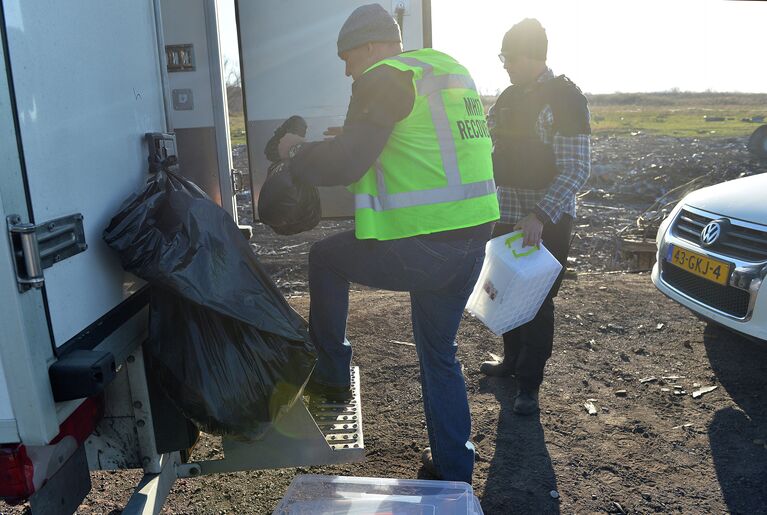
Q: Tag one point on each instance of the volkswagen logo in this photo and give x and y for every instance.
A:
(710, 234)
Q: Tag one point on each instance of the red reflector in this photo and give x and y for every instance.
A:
(81, 423)
(16, 472)
(16, 467)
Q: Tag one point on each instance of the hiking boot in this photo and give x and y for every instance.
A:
(526, 402)
(293, 125)
(428, 463)
(332, 394)
(496, 369)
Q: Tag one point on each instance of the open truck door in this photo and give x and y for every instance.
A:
(290, 66)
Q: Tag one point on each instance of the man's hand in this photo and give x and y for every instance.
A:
(532, 229)
(285, 144)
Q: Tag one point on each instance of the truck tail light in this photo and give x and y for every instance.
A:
(24, 469)
(16, 472)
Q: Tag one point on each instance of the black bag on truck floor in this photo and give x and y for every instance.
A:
(224, 343)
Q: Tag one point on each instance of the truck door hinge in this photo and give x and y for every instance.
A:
(37, 247)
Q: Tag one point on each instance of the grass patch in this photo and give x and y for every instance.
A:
(237, 128)
(681, 122)
(676, 114)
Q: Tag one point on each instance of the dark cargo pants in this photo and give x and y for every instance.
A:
(528, 347)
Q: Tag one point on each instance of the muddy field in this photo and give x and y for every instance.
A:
(620, 346)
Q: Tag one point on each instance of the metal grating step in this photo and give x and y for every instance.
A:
(319, 433)
(341, 423)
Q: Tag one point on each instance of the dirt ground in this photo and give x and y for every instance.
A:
(620, 345)
(648, 451)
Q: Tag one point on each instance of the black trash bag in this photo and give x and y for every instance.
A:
(226, 346)
(293, 125)
(287, 206)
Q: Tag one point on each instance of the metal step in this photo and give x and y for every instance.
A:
(341, 423)
(317, 433)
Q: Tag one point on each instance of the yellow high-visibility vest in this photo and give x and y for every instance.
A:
(435, 172)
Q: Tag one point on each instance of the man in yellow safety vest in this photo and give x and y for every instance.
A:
(415, 151)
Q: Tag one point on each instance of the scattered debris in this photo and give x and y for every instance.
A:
(590, 407)
(554, 494)
(685, 426)
(495, 357)
(650, 379)
(621, 393)
(639, 254)
(660, 327)
(402, 343)
(616, 328)
(619, 508)
(703, 391)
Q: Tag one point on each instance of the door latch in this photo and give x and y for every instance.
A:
(37, 247)
(238, 181)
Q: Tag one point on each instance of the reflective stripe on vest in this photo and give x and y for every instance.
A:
(430, 85)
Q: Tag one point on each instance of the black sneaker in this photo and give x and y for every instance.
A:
(333, 394)
(293, 125)
(526, 402)
(496, 369)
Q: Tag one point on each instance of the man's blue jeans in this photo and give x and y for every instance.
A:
(440, 276)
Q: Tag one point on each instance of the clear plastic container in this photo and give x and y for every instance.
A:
(337, 495)
(513, 283)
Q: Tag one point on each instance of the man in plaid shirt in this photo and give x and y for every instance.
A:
(541, 158)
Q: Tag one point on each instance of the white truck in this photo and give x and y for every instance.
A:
(82, 83)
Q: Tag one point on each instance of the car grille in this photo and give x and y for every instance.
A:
(727, 299)
(740, 242)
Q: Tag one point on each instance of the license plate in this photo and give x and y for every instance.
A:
(702, 266)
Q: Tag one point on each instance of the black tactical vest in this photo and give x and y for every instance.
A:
(520, 159)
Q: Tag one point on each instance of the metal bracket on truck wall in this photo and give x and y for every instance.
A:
(162, 145)
(37, 247)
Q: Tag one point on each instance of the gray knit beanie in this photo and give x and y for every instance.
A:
(526, 38)
(367, 24)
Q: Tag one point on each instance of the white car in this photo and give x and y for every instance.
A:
(712, 254)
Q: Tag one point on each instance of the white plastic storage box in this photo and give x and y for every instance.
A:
(336, 495)
(513, 283)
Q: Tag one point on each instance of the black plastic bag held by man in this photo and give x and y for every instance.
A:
(224, 344)
(287, 206)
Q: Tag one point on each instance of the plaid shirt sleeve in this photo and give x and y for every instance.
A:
(573, 158)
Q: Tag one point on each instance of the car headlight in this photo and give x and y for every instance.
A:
(666, 222)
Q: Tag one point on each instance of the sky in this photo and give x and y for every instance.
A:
(605, 46)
